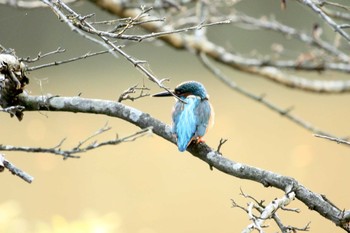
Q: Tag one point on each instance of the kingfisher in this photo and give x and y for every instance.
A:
(192, 115)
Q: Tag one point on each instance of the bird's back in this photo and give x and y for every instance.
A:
(190, 120)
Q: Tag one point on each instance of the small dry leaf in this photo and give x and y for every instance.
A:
(317, 31)
(283, 4)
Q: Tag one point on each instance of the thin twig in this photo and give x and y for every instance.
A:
(105, 128)
(39, 56)
(87, 55)
(334, 139)
(222, 142)
(131, 90)
(71, 153)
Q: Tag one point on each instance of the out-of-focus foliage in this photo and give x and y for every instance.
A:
(12, 221)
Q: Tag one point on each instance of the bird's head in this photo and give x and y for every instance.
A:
(185, 89)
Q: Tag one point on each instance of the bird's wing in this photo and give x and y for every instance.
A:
(205, 117)
(185, 121)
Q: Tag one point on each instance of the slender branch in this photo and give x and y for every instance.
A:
(56, 63)
(71, 153)
(260, 99)
(39, 56)
(105, 128)
(275, 26)
(131, 90)
(334, 139)
(174, 31)
(134, 116)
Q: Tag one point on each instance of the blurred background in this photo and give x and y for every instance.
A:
(147, 186)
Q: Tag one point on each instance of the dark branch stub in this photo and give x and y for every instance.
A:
(222, 142)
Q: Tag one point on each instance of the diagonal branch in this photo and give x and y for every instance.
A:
(134, 116)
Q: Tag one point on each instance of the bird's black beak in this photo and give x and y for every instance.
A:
(162, 94)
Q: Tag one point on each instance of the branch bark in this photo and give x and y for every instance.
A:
(314, 201)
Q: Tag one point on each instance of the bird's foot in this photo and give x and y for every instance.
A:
(199, 140)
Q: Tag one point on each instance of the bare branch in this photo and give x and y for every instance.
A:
(130, 138)
(131, 90)
(260, 99)
(267, 212)
(39, 56)
(275, 26)
(56, 63)
(105, 128)
(71, 153)
(334, 139)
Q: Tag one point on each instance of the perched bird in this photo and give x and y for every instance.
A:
(193, 115)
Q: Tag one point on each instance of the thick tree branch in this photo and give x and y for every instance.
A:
(143, 120)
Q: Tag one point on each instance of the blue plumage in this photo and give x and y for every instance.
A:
(191, 119)
(185, 121)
